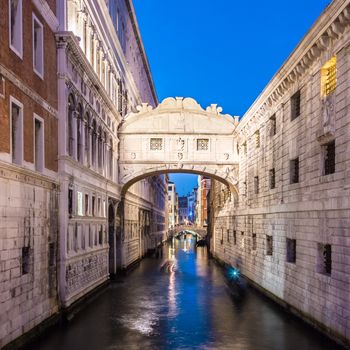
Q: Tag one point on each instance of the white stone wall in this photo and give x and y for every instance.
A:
(28, 206)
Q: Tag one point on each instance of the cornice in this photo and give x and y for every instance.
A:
(45, 10)
(327, 30)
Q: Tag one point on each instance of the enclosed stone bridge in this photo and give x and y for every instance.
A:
(178, 136)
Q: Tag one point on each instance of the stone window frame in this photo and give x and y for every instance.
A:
(295, 105)
(328, 166)
(272, 178)
(18, 30)
(254, 242)
(156, 144)
(273, 125)
(291, 252)
(17, 158)
(39, 164)
(269, 245)
(324, 259)
(257, 138)
(38, 52)
(203, 144)
(294, 170)
(256, 185)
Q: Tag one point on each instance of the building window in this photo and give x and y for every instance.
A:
(156, 144)
(228, 235)
(294, 170)
(2, 86)
(295, 105)
(98, 206)
(52, 254)
(329, 158)
(25, 260)
(291, 250)
(329, 77)
(272, 178)
(70, 202)
(16, 23)
(87, 138)
(324, 259)
(86, 204)
(273, 125)
(256, 184)
(93, 201)
(234, 237)
(38, 47)
(38, 144)
(202, 144)
(269, 245)
(254, 241)
(71, 111)
(79, 121)
(16, 131)
(80, 203)
(93, 143)
(100, 235)
(257, 138)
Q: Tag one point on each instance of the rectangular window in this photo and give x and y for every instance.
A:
(100, 235)
(70, 202)
(269, 245)
(86, 204)
(39, 144)
(294, 171)
(16, 131)
(329, 77)
(98, 206)
(16, 25)
(257, 138)
(228, 235)
(291, 250)
(202, 144)
(256, 184)
(254, 241)
(234, 237)
(25, 260)
(52, 254)
(324, 258)
(329, 158)
(80, 203)
(93, 200)
(295, 105)
(272, 178)
(156, 144)
(2, 86)
(273, 125)
(38, 47)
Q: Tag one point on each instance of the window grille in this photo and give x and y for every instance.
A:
(234, 237)
(256, 184)
(202, 144)
(273, 125)
(329, 158)
(294, 171)
(156, 144)
(291, 250)
(295, 105)
(257, 138)
(254, 241)
(269, 245)
(324, 263)
(272, 178)
(329, 77)
(25, 260)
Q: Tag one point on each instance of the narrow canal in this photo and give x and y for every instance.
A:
(181, 301)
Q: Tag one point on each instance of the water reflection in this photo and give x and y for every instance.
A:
(181, 302)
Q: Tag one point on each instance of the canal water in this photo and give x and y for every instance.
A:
(181, 301)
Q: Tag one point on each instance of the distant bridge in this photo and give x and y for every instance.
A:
(199, 230)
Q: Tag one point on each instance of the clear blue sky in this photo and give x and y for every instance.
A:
(223, 51)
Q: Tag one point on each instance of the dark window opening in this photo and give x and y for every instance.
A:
(254, 241)
(25, 260)
(294, 171)
(70, 202)
(329, 158)
(291, 250)
(269, 245)
(273, 130)
(295, 105)
(272, 178)
(256, 184)
(324, 259)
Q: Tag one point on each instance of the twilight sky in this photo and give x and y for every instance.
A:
(222, 52)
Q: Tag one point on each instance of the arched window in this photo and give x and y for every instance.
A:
(93, 142)
(70, 136)
(79, 133)
(87, 138)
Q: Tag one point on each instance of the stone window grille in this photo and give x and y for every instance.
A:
(329, 77)
(25, 260)
(257, 138)
(324, 259)
(256, 184)
(269, 245)
(291, 250)
(272, 178)
(234, 237)
(329, 158)
(273, 130)
(295, 105)
(202, 144)
(254, 245)
(156, 144)
(294, 171)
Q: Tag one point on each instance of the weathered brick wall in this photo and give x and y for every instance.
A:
(29, 206)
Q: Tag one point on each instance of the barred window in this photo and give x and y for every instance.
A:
(254, 245)
(273, 125)
(25, 260)
(329, 77)
(272, 178)
(294, 171)
(295, 105)
(156, 144)
(257, 138)
(324, 259)
(329, 158)
(291, 250)
(269, 245)
(256, 184)
(202, 144)
(234, 237)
